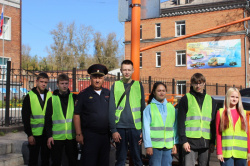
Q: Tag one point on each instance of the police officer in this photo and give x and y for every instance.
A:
(59, 123)
(33, 112)
(91, 119)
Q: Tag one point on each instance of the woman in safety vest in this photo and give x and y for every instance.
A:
(231, 129)
(159, 127)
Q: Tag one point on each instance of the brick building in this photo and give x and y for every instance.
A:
(11, 45)
(183, 17)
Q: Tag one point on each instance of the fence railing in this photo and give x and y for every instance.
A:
(15, 84)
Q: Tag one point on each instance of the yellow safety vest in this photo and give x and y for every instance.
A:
(63, 128)
(234, 141)
(162, 135)
(198, 121)
(37, 113)
(134, 100)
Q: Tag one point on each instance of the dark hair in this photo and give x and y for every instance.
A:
(151, 96)
(197, 78)
(62, 77)
(127, 62)
(42, 75)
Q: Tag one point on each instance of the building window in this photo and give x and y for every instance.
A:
(3, 68)
(180, 58)
(6, 29)
(140, 32)
(158, 59)
(157, 30)
(177, 2)
(140, 60)
(180, 28)
(181, 87)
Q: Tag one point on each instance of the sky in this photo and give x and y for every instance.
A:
(40, 17)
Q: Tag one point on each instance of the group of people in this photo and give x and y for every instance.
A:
(62, 120)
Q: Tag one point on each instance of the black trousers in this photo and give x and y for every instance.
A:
(70, 151)
(41, 143)
(95, 151)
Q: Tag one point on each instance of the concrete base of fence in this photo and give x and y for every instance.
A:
(12, 128)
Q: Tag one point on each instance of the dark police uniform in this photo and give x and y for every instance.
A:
(94, 115)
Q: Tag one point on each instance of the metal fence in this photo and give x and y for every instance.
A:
(15, 84)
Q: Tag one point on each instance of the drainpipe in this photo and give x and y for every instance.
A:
(245, 42)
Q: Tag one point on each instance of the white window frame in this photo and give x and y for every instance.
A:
(140, 60)
(181, 53)
(157, 25)
(6, 29)
(158, 54)
(180, 24)
(3, 68)
(140, 32)
(181, 84)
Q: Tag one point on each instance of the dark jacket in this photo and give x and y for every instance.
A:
(195, 143)
(26, 110)
(49, 110)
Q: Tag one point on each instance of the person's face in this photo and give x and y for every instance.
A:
(41, 84)
(198, 87)
(160, 93)
(234, 99)
(97, 81)
(63, 86)
(127, 70)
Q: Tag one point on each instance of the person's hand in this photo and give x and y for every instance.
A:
(79, 139)
(149, 151)
(220, 157)
(248, 156)
(211, 148)
(174, 150)
(186, 147)
(31, 140)
(50, 142)
(140, 141)
(116, 137)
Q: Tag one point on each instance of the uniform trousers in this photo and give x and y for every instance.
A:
(41, 143)
(95, 150)
(70, 151)
(203, 157)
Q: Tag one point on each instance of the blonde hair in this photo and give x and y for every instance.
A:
(227, 111)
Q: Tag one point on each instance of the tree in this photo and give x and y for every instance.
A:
(106, 50)
(70, 46)
(28, 62)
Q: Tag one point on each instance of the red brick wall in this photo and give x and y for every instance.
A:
(194, 23)
(12, 47)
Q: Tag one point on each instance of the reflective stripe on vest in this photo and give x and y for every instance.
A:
(134, 101)
(234, 140)
(37, 113)
(162, 136)
(63, 128)
(198, 121)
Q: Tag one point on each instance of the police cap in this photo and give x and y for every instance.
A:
(97, 69)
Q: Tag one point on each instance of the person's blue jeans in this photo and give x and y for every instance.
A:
(161, 157)
(234, 161)
(129, 137)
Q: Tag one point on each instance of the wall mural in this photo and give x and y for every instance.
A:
(215, 54)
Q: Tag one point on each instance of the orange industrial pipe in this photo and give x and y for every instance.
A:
(135, 38)
(193, 34)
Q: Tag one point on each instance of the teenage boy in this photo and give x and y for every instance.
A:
(59, 123)
(196, 122)
(126, 105)
(33, 112)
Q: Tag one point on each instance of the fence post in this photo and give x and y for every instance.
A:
(225, 88)
(119, 76)
(74, 79)
(7, 111)
(240, 87)
(234, 86)
(216, 88)
(173, 86)
(149, 84)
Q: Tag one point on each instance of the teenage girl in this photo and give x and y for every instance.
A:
(231, 130)
(159, 127)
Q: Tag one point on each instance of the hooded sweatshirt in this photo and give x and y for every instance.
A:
(147, 120)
